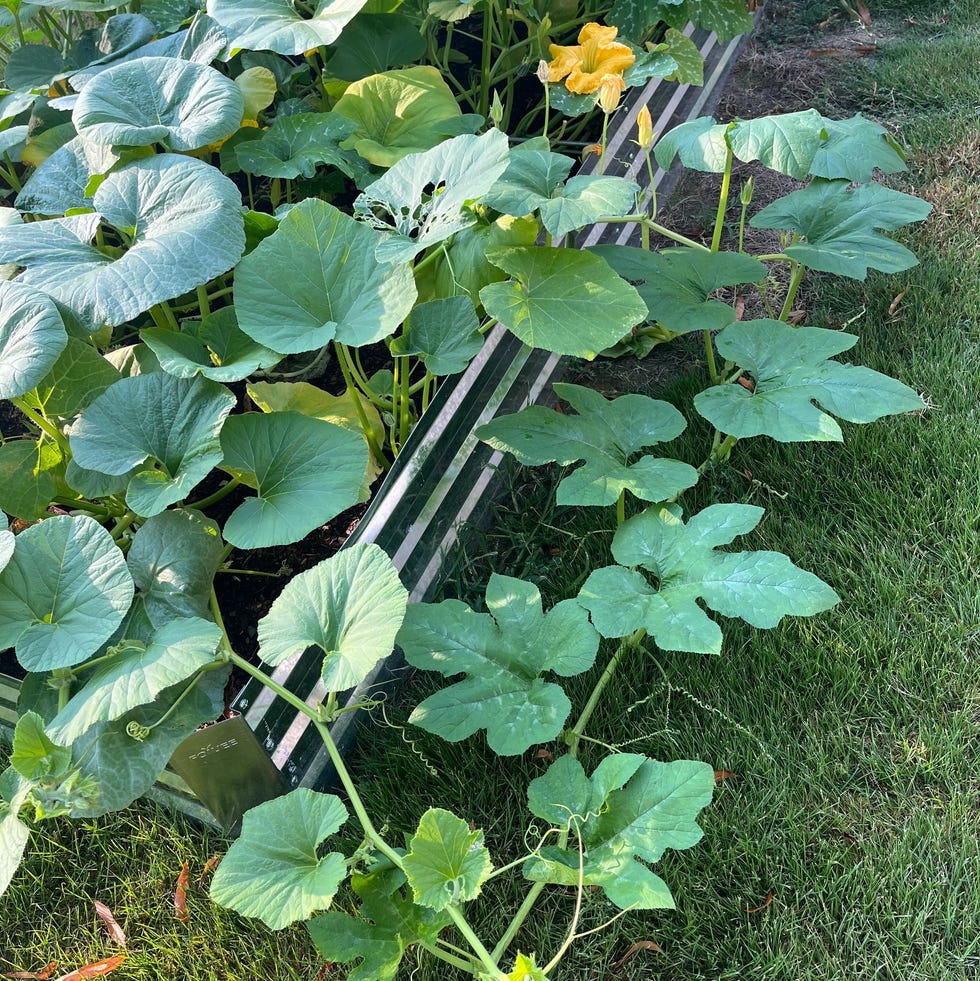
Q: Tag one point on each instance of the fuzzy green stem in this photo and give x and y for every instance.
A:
(726, 183)
(122, 523)
(487, 53)
(216, 496)
(709, 351)
(655, 226)
(653, 188)
(795, 279)
(164, 317)
(621, 507)
(602, 145)
(203, 302)
(44, 424)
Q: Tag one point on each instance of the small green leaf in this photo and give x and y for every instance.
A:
(272, 872)
(63, 593)
(350, 606)
(296, 145)
(690, 61)
(14, 834)
(532, 175)
(348, 294)
(606, 435)
(699, 143)
(631, 808)
(135, 674)
(525, 969)
(32, 66)
(31, 474)
(342, 939)
(444, 333)
(792, 371)
(759, 587)
(424, 198)
(214, 347)
(305, 471)
(8, 543)
(503, 656)
(34, 755)
(165, 427)
(446, 863)
(676, 283)
(585, 199)
(551, 299)
(839, 222)
(402, 112)
(178, 103)
(173, 558)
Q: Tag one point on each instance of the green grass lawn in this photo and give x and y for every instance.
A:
(846, 846)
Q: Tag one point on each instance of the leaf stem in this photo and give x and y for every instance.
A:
(221, 492)
(726, 183)
(709, 351)
(795, 279)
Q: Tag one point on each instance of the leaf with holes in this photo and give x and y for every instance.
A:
(629, 812)
(165, 427)
(607, 435)
(840, 223)
(306, 472)
(348, 294)
(685, 564)
(503, 655)
(552, 297)
(447, 863)
(792, 370)
(273, 872)
(676, 284)
(350, 606)
(423, 199)
(63, 592)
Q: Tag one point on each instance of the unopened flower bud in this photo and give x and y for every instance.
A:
(610, 89)
(496, 109)
(644, 126)
(745, 197)
(543, 72)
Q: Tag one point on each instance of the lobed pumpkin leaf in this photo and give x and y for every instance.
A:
(32, 337)
(503, 655)
(606, 435)
(683, 559)
(792, 370)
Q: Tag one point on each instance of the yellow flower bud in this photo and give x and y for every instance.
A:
(610, 89)
(644, 126)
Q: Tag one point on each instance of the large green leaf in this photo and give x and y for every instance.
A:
(585, 199)
(177, 103)
(676, 284)
(727, 18)
(273, 872)
(61, 183)
(684, 565)
(423, 198)
(297, 145)
(503, 655)
(135, 674)
(373, 43)
(630, 808)
(215, 347)
(124, 758)
(166, 427)
(839, 222)
(699, 143)
(32, 337)
(63, 593)
(607, 436)
(7, 544)
(350, 606)
(347, 294)
(447, 863)
(14, 834)
(552, 298)
(402, 112)
(791, 370)
(533, 174)
(32, 66)
(172, 559)
(276, 25)
(854, 149)
(306, 472)
(445, 334)
(185, 223)
(785, 142)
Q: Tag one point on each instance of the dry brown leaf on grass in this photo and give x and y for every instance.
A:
(765, 905)
(94, 970)
(209, 866)
(41, 975)
(739, 307)
(638, 946)
(722, 775)
(180, 894)
(896, 303)
(114, 929)
(864, 13)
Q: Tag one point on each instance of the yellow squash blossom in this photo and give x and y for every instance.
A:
(584, 65)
